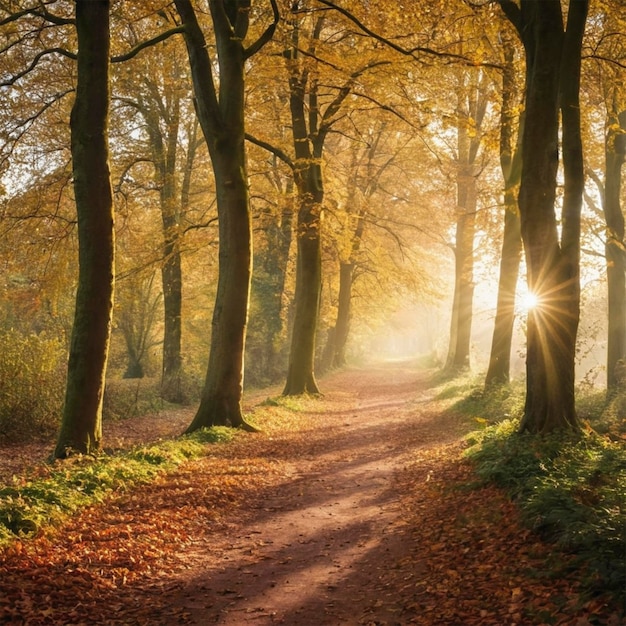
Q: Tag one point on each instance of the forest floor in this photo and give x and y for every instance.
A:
(359, 512)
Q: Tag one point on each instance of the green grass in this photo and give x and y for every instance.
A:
(571, 489)
(28, 505)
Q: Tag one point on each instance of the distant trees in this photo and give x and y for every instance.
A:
(613, 87)
(160, 97)
(472, 96)
(378, 153)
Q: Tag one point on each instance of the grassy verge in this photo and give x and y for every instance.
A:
(60, 489)
(570, 489)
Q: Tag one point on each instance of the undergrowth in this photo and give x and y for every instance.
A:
(569, 488)
(64, 487)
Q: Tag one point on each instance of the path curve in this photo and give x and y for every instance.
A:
(309, 551)
(356, 512)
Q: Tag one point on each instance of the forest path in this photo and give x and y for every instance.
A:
(313, 549)
(355, 513)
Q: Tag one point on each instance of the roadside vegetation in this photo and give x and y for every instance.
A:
(569, 488)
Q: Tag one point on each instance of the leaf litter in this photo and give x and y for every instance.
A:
(354, 508)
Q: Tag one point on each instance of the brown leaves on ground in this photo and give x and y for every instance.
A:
(362, 515)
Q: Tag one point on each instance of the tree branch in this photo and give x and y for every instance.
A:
(35, 62)
(267, 34)
(412, 52)
(277, 152)
(146, 44)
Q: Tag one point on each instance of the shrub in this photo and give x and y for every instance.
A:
(129, 397)
(570, 489)
(32, 384)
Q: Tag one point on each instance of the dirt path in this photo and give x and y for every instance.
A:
(311, 550)
(360, 515)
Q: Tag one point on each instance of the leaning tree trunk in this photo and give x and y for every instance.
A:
(81, 426)
(552, 82)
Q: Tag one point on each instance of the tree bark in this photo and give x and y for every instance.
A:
(222, 123)
(498, 371)
(81, 426)
(470, 111)
(308, 145)
(301, 371)
(552, 84)
(344, 305)
(615, 152)
(275, 265)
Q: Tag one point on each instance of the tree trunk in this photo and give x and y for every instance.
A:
(277, 258)
(342, 325)
(81, 426)
(220, 403)
(461, 322)
(222, 123)
(615, 150)
(552, 82)
(498, 371)
(308, 146)
(300, 374)
(171, 273)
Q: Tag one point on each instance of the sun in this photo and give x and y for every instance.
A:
(529, 301)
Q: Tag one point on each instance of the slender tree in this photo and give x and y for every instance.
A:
(311, 124)
(472, 99)
(499, 367)
(221, 115)
(81, 427)
(615, 151)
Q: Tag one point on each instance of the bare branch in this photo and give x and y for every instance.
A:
(267, 34)
(38, 12)
(35, 62)
(412, 52)
(146, 44)
(283, 156)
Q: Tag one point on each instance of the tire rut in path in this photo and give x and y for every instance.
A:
(311, 550)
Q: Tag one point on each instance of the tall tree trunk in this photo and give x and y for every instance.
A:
(81, 426)
(498, 371)
(552, 84)
(276, 261)
(171, 272)
(342, 324)
(308, 146)
(461, 322)
(470, 113)
(300, 374)
(615, 151)
(222, 122)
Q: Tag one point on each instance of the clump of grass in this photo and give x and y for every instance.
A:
(569, 488)
(27, 506)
